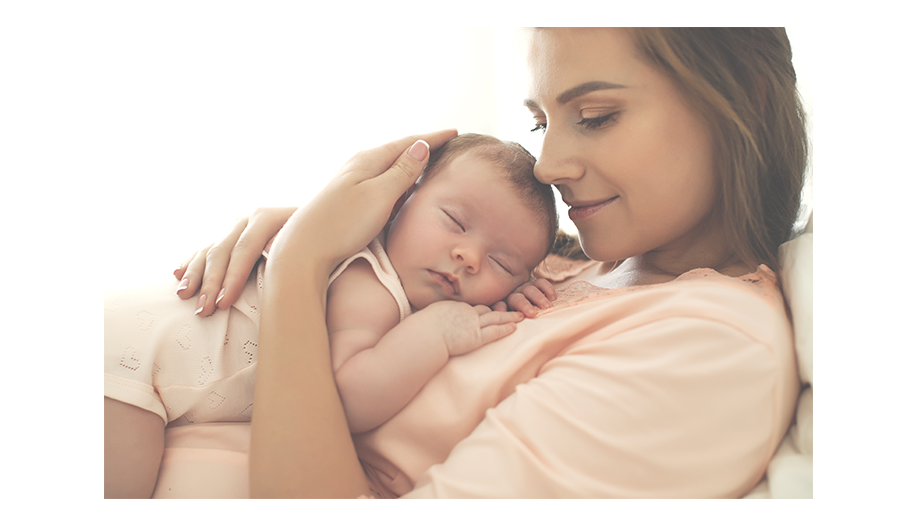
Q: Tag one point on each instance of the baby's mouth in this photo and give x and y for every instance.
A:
(448, 283)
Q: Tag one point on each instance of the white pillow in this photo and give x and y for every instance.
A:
(789, 474)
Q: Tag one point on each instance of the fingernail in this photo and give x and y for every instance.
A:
(419, 150)
(200, 304)
(220, 296)
(182, 285)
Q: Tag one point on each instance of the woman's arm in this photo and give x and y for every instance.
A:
(301, 446)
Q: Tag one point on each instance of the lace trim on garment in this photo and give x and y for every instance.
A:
(762, 282)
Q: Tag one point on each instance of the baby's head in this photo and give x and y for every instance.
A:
(475, 225)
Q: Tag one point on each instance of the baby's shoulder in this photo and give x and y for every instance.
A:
(357, 299)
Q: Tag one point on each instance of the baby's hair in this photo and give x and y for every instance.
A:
(518, 164)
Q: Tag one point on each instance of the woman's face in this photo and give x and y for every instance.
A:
(629, 156)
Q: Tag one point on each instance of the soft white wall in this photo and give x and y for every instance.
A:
(210, 118)
(209, 115)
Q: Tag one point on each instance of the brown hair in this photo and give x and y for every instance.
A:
(518, 164)
(743, 82)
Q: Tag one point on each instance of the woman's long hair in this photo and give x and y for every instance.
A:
(743, 82)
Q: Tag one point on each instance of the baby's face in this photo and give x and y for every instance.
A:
(465, 236)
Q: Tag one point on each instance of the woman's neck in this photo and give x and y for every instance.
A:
(661, 266)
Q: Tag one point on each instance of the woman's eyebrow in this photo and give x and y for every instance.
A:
(577, 91)
(585, 88)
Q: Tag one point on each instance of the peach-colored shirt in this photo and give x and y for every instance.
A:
(682, 389)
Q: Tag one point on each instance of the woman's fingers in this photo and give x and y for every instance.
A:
(217, 274)
(192, 275)
(391, 169)
(216, 261)
(378, 160)
(357, 203)
(245, 251)
(180, 271)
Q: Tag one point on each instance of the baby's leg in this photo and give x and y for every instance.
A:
(164, 364)
(134, 441)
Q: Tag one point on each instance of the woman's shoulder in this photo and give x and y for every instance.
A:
(751, 303)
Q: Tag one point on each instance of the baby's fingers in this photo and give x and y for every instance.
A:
(520, 303)
(539, 292)
(531, 297)
(497, 324)
(492, 317)
(546, 288)
(493, 333)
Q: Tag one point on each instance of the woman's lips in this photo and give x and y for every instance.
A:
(450, 287)
(580, 212)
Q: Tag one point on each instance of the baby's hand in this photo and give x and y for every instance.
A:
(529, 298)
(465, 328)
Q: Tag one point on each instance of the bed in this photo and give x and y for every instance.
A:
(211, 460)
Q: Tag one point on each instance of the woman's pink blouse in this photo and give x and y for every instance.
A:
(682, 389)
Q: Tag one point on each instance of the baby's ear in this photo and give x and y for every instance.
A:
(400, 202)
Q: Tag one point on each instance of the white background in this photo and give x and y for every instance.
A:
(207, 116)
(133, 133)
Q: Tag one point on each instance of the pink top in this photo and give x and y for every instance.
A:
(682, 389)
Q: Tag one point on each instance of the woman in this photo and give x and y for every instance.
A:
(664, 370)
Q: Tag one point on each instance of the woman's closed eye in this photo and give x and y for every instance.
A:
(591, 123)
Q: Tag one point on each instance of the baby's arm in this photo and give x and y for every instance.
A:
(381, 364)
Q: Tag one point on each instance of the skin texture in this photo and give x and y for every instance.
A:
(134, 442)
(633, 160)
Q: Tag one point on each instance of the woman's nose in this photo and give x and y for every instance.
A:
(558, 161)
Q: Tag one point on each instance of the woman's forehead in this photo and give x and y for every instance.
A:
(561, 58)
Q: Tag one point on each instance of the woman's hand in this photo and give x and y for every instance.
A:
(354, 207)
(529, 298)
(221, 270)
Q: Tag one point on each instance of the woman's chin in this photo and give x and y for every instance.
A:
(598, 252)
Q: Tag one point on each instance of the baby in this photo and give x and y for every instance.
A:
(469, 232)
